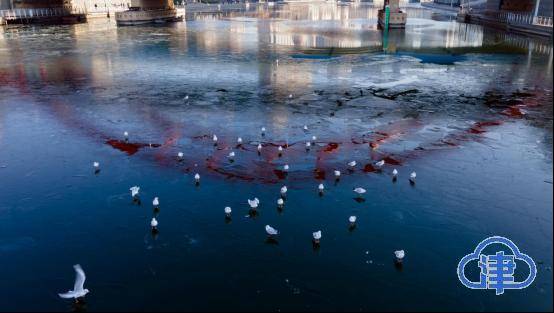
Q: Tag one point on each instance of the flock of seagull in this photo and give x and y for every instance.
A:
(79, 291)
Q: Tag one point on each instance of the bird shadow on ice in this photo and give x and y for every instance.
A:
(271, 241)
(79, 306)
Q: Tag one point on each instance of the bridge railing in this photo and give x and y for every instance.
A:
(525, 19)
(38, 12)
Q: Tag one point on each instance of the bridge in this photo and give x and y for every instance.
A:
(60, 11)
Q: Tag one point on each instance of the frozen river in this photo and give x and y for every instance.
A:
(469, 109)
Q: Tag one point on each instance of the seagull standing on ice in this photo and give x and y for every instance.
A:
(413, 177)
(197, 178)
(231, 156)
(317, 237)
(271, 231)
(308, 145)
(134, 191)
(154, 224)
(96, 166)
(156, 203)
(284, 191)
(280, 149)
(280, 203)
(394, 174)
(254, 203)
(259, 148)
(320, 188)
(305, 127)
(337, 174)
(126, 136)
(263, 131)
(380, 164)
(227, 211)
(180, 155)
(214, 139)
(399, 254)
(314, 138)
(352, 164)
(78, 288)
(352, 219)
(239, 141)
(286, 168)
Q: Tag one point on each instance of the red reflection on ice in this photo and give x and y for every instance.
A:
(332, 146)
(513, 111)
(128, 147)
(319, 174)
(369, 168)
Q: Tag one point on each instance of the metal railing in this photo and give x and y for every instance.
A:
(525, 19)
(38, 12)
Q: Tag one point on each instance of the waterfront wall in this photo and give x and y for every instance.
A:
(521, 6)
(30, 4)
(101, 6)
(88, 6)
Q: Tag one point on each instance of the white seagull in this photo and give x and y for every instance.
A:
(308, 145)
(394, 173)
(197, 178)
(317, 236)
(231, 155)
(126, 135)
(352, 163)
(286, 168)
(96, 165)
(263, 131)
(380, 163)
(305, 127)
(352, 219)
(156, 202)
(154, 223)
(78, 290)
(320, 188)
(359, 190)
(280, 202)
(399, 254)
(214, 139)
(271, 231)
(284, 190)
(254, 203)
(239, 140)
(337, 174)
(413, 177)
(280, 149)
(134, 191)
(180, 155)
(259, 148)
(314, 138)
(227, 211)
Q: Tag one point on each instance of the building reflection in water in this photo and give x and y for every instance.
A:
(292, 49)
(228, 45)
